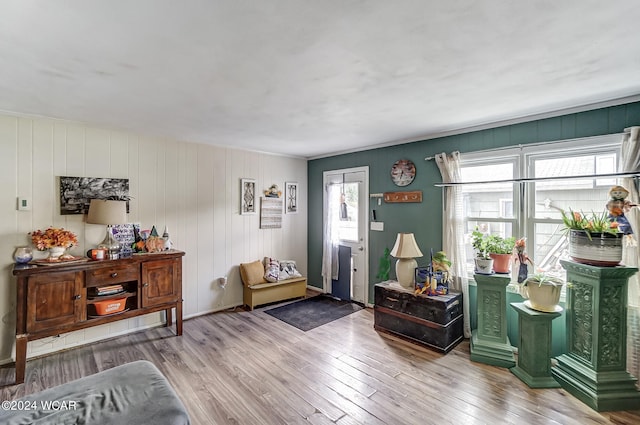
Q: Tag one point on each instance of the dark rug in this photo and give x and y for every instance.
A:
(313, 312)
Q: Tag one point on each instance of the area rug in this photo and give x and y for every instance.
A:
(313, 312)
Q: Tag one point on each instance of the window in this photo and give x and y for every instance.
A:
(521, 192)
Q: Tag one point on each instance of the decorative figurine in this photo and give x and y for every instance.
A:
(273, 192)
(617, 206)
(521, 262)
(167, 240)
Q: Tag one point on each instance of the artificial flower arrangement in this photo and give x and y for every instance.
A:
(53, 237)
(594, 223)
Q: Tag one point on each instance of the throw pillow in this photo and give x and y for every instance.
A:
(288, 270)
(252, 273)
(272, 270)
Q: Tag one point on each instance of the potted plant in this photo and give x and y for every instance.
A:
(500, 250)
(593, 239)
(543, 292)
(484, 263)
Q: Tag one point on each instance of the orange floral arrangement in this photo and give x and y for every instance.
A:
(53, 237)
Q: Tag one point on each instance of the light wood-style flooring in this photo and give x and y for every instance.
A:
(241, 367)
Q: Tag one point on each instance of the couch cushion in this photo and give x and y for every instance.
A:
(252, 273)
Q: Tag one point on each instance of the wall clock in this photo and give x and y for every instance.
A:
(403, 172)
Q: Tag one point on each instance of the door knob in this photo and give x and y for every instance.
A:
(360, 248)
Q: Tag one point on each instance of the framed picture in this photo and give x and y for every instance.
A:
(76, 193)
(291, 198)
(271, 213)
(247, 196)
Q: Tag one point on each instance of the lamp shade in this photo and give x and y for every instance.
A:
(103, 211)
(406, 247)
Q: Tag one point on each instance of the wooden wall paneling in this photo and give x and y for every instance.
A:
(9, 171)
(189, 240)
(97, 153)
(205, 207)
(147, 182)
(119, 156)
(25, 172)
(219, 241)
(133, 174)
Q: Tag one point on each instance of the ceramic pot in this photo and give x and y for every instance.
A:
(501, 262)
(484, 266)
(542, 297)
(601, 249)
(56, 252)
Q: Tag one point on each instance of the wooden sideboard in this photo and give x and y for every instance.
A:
(55, 299)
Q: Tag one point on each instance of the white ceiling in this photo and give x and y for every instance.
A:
(311, 78)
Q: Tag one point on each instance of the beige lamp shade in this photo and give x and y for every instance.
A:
(104, 211)
(406, 247)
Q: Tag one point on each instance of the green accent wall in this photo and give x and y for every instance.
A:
(425, 219)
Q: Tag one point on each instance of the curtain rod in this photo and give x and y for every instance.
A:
(521, 146)
(540, 179)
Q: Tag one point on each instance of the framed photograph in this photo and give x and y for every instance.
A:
(291, 198)
(247, 196)
(76, 193)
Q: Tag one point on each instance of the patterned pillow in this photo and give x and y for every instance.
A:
(288, 270)
(271, 270)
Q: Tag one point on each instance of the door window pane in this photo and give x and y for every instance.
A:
(348, 223)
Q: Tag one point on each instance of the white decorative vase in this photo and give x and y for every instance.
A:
(56, 252)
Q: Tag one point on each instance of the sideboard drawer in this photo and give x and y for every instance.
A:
(111, 275)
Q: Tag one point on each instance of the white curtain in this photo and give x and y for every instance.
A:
(330, 237)
(630, 162)
(453, 242)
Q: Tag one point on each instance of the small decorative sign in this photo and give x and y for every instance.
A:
(415, 196)
(271, 213)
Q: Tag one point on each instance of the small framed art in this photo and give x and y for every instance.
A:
(291, 197)
(247, 196)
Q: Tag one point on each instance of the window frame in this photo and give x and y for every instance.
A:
(523, 158)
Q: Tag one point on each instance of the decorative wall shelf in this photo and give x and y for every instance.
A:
(392, 197)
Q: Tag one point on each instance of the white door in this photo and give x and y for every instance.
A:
(352, 224)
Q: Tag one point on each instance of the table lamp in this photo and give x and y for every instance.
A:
(109, 212)
(405, 250)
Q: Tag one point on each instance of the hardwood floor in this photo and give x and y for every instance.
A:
(250, 368)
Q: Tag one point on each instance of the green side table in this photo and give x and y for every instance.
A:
(490, 342)
(534, 347)
(594, 366)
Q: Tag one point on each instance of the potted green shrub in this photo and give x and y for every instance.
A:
(543, 292)
(500, 250)
(484, 263)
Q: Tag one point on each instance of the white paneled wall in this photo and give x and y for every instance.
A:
(191, 188)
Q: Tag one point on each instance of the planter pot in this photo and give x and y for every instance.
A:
(542, 297)
(602, 249)
(501, 262)
(484, 266)
(56, 252)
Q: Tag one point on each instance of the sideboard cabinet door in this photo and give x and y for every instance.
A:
(161, 282)
(54, 299)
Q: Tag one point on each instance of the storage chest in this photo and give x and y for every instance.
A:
(433, 321)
